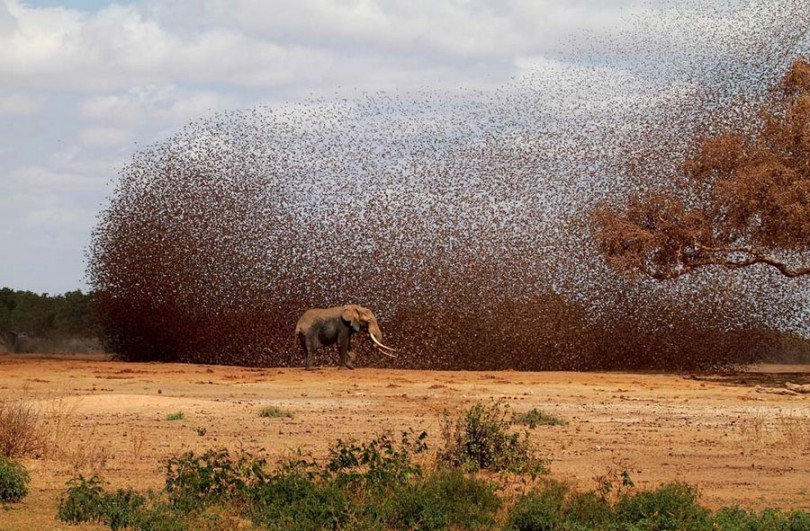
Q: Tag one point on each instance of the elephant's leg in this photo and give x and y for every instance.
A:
(309, 349)
(350, 357)
(346, 354)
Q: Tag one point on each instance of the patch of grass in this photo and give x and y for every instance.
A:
(481, 438)
(20, 429)
(534, 417)
(178, 415)
(200, 431)
(275, 412)
(14, 480)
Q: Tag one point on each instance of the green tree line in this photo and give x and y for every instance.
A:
(27, 316)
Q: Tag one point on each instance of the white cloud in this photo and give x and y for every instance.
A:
(104, 136)
(35, 180)
(154, 106)
(19, 104)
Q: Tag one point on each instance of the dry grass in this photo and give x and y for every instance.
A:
(785, 429)
(20, 429)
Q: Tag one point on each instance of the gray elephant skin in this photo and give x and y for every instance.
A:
(320, 327)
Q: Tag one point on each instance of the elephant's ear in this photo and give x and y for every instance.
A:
(352, 316)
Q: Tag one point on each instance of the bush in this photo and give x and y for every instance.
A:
(556, 506)
(13, 480)
(480, 440)
(670, 506)
(377, 464)
(214, 476)
(19, 429)
(178, 415)
(294, 500)
(160, 517)
(737, 519)
(121, 509)
(83, 502)
(446, 499)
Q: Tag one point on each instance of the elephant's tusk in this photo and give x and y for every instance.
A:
(384, 353)
(380, 344)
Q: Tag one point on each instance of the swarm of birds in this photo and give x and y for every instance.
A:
(459, 217)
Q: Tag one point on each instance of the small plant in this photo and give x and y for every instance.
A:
(557, 506)
(200, 431)
(535, 417)
(379, 463)
(178, 415)
(613, 484)
(447, 499)
(192, 480)
(274, 412)
(480, 439)
(20, 429)
(670, 506)
(13, 480)
(83, 502)
(121, 509)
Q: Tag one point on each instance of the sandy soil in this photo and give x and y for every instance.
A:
(735, 440)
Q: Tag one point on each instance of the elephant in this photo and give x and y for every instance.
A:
(320, 327)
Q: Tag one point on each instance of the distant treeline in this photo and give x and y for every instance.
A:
(34, 322)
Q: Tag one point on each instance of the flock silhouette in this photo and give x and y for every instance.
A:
(460, 217)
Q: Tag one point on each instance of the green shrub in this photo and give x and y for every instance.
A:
(557, 506)
(480, 439)
(377, 464)
(737, 519)
(534, 512)
(178, 415)
(212, 477)
(160, 517)
(120, 509)
(13, 480)
(670, 506)
(535, 417)
(445, 499)
(588, 510)
(295, 500)
(83, 502)
(274, 412)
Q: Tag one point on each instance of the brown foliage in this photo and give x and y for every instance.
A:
(749, 200)
(20, 430)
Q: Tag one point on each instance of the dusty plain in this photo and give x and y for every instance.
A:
(735, 437)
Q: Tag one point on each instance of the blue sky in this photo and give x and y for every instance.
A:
(83, 83)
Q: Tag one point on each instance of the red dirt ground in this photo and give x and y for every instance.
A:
(734, 438)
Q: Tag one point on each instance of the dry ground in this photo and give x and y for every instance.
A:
(737, 443)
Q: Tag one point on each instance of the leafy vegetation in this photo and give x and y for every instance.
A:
(14, 480)
(481, 438)
(177, 415)
(387, 483)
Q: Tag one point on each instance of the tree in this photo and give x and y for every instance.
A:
(747, 200)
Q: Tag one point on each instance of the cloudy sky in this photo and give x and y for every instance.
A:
(83, 83)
